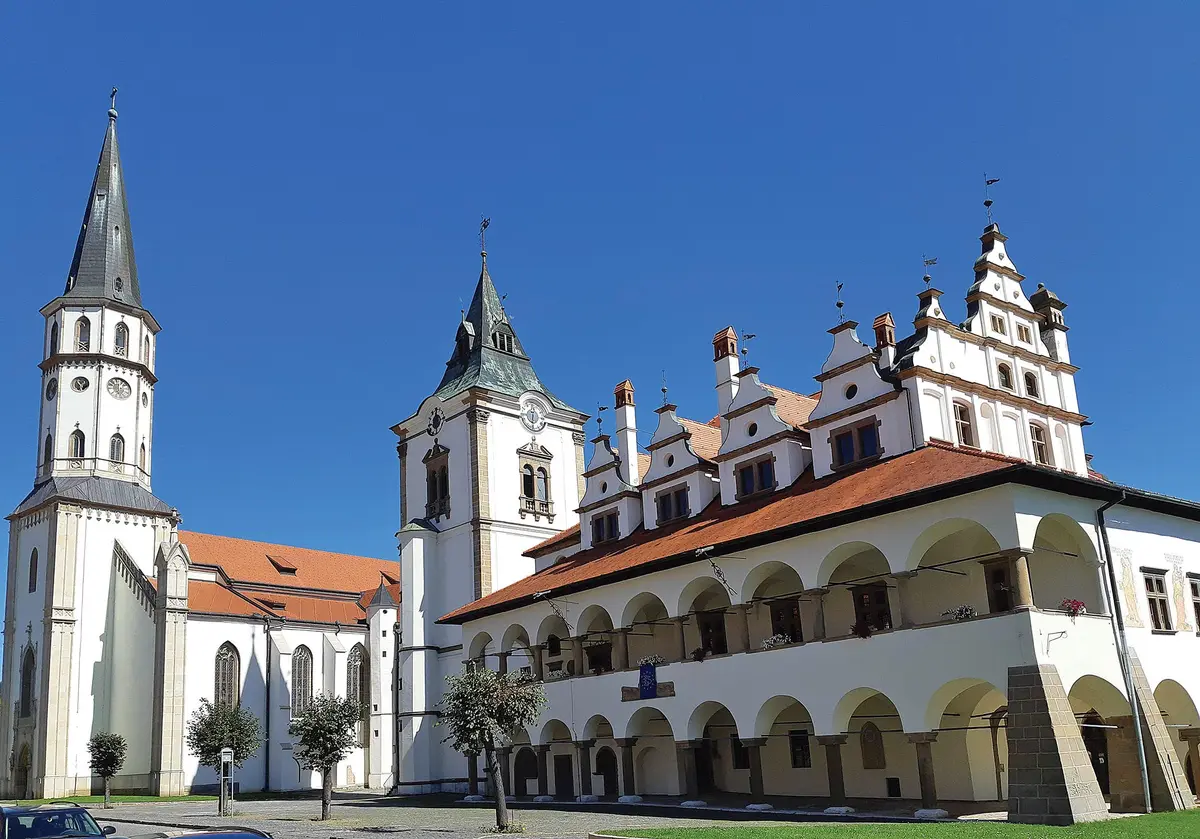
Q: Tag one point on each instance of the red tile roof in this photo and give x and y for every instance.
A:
(806, 501)
(706, 439)
(570, 536)
(793, 408)
(215, 599)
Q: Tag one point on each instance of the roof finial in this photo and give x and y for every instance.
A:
(664, 388)
(987, 198)
(929, 262)
(112, 110)
(600, 409)
(840, 305)
(747, 337)
(483, 226)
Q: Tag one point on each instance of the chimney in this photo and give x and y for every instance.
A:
(725, 357)
(885, 339)
(626, 433)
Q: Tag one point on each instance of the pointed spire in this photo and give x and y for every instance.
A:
(103, 266)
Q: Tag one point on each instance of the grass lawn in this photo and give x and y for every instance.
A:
(1156, 826)
(116, 799)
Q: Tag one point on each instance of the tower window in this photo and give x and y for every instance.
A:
(527, 481)
(543, 485)
(437, 483)
(33, 571)
(1004, 376)
(78, 444)
(146, 350)
(998, 325)
(48, 451)
(116, 449)
(1031, 386)
(963, 424)
(54, 338)
(83, 335)
(121, 340)
(502, 341)
(142, 457)
(227, 680)
(1024, 335)
(28, 671)
(302, 680)
(1041, 450)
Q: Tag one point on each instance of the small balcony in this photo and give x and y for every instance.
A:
(535, 507)
(437, 508)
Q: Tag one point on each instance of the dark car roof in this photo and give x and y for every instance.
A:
(48, 807)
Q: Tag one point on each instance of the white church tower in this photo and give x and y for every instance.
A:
(82, 544)
(490, 465)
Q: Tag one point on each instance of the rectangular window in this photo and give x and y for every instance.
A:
(746, 480)
(999, 585)
(1023, 334)
(798, 746)
(599, 657)
(1156, 595)
(785, 618)
(871, 606)
(998, 325)
(741, 756)
(858, 442)
(672, 504)
(712, 632)
(1041, 452)
(755, 477)
(1195, 584)
(605, 528)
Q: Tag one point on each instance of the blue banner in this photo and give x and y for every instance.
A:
(648, 682)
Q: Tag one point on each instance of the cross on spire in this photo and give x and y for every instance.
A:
(483, 226)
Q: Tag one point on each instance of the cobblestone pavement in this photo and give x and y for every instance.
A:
(374, 817)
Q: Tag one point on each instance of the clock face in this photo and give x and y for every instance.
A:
(52, 388)
(436, 420)
(533, 416)
(119, 388)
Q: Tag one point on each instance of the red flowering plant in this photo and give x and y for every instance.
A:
(1074, 608)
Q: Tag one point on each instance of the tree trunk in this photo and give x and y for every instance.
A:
(326, 793)
(108, 792)
(493, 768)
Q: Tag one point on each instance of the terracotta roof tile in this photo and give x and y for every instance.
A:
(807, 500)
(215, 599)
(311, 609)
(706, 439)
(570, 536)
(244, 560)
(643, 463)
(793, 408)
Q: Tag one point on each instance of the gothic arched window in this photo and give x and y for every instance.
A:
(78, 444)
(527, 488)
(54, 338)
(48, 451)
(83, 335)
(543, 485)
(146, 350)
(1004, 374)
(116, 449)
(142, 457)
(121, 339)
(302, 680)
(227, 680)
(33, 564)
(358, 687)
(1031, 386)
(871, 742)
(28, 671)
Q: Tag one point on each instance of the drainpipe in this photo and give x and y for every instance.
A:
(396, 706)
(267, 707)
(1118, 625)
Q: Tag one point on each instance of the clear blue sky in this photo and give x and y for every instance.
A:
(307, 180)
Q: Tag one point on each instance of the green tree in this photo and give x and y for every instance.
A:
(480, 707)
(325, 733)
(107, 757)
(215, 727)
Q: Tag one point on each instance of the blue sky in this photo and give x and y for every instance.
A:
(307, 181)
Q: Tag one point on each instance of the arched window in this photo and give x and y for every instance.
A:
(83, 335)
(33, 564)
(142, 457)
(116, 449)
(443, 484)
(48, 451)
(1041, 449)
(527, 482)
(358, 687)
(543, 485)
(431, 490)
(302, 680)
(121, 339)
(1031, 386)
(54, 338)
(227, 680)
(146, 350)
(1004, 373)
(871, 743)
(78, 444)
(963, 424)
(28, 671)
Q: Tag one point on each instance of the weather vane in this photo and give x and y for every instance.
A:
(600, 409)
(929, 261)
(840, 305)
(747, 337)
(483, 226)
(664, 388)
(987, 198)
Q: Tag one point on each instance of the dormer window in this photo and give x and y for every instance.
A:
(756, 477)
(605, 527)
(1005, 377)
(1024, 335)
(502, 341)
(672, 504)
(856, 442)
(1031, 386)
(998, 325)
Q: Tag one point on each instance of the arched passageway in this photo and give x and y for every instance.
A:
(656, 767)
(1106, 725)
(793, 762)
(970, 755)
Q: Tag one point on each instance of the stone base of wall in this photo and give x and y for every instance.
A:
(1050, 777)
(1168, 782)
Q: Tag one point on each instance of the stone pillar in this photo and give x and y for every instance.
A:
(833, 765)
(502, 664)
(539, 668)
(577, 655)
(680, 622)
(584, 748)
(628, 781)
(472, 774)
(904, 601)
(1168, 784)
(481, 511)
(690, 778)
(754, 752)
(1022, 588)
(741, 618)
(1191, 736)
(1050, 778)
(818, 597)
(170, 651)
(543, 773)
(923, 740)
(504, 759)
(621, 649)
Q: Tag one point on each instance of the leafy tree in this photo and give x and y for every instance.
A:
(215, 727)
(107, 757)
(326, 732)
(481, 706)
